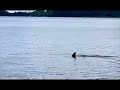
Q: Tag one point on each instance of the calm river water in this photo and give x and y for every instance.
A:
(41, 48)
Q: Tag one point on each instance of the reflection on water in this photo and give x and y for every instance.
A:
(41, 48)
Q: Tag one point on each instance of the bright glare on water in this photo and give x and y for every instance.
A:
(41, 48)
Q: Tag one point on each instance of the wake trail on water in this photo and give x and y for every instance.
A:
(99, 56)
(94, 56)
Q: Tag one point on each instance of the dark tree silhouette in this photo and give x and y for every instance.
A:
(63, 13)
(3, 13)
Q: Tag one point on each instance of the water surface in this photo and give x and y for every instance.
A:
(41, 48)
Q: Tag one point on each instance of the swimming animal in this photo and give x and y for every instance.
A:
(74, 56)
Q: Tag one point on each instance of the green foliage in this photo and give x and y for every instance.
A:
(42, 13)
(49, 13)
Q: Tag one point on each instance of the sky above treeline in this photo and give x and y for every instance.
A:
(12, 11)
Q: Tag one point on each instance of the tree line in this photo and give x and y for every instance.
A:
(63, 13)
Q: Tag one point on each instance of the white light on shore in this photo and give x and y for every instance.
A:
(12, 11)
(45, 10)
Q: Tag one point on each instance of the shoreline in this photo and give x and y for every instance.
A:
(62, 16)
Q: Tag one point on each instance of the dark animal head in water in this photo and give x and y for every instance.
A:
(74, 55)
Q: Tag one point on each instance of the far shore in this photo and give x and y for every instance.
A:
(62, 17)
